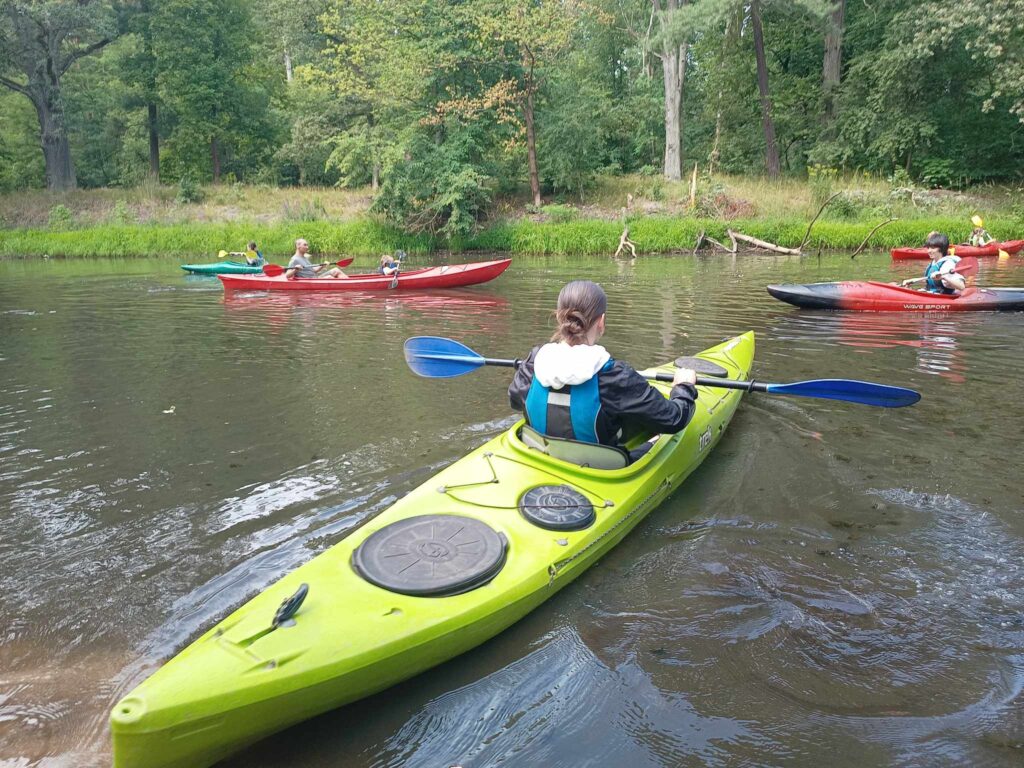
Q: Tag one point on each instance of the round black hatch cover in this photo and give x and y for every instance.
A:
(557, 508)
(701, 366)
(431, 555)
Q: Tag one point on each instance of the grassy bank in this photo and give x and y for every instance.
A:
(152, 221)
(585, 236)
(204, 240)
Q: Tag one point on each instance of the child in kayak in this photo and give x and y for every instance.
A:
(300, 266)
(571, 388)
(252, 255)
(940, 275)
(388, 265)
(979, 236)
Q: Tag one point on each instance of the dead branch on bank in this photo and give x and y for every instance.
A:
(807, 234)
(861, 246)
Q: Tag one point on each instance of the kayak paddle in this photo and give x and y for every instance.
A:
(401, 258)
(273, 270)
(435, 357)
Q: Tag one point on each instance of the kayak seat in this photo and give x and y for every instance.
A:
(431, 555)
(573, 451)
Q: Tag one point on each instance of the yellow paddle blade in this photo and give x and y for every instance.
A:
(1003, 254)
(221, 254)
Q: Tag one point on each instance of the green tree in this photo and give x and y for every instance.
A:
(40, 40)
(208, 73)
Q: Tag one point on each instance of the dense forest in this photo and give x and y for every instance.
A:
(440, 105)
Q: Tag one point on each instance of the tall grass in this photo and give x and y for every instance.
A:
(206, 239)
(590, 236)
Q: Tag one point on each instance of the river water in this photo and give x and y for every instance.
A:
(837, 585)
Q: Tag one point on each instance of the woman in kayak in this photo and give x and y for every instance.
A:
(940, 275)
(571, 388)
(300, 266)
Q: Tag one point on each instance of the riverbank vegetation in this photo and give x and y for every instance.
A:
(150, 220)
(490, 121)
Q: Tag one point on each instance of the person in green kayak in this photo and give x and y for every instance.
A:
(979, 236)
(300, 266)
(571, 388)
(253, 257)
(940, 276)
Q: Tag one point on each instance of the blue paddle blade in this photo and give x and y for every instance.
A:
(436, 357)
(864, 392)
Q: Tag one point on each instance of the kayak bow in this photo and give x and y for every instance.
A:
(448, 566)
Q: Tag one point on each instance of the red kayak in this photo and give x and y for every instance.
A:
(882, 297)
(451, 276)
(992, 249)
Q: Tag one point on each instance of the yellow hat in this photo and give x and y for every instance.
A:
(976, 220)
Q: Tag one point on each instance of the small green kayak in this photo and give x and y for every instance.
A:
(450, 565)
(223, 268)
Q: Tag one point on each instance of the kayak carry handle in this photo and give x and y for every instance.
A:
(290, 606)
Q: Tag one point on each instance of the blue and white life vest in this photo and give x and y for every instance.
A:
(570, 412)
(931, 272)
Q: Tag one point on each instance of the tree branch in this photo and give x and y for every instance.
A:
(807, 234)
(81, 52)
(861, 246)
(15, 86)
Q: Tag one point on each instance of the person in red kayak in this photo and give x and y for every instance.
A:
(979, 237)
(940, 275)
(571, 388)
(300, 266)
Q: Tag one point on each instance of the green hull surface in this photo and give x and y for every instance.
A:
(242, 680)
(223, 268)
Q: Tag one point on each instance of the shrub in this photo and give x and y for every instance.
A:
(60, 217)
(560, 213)
(121, 214)
(188, 191)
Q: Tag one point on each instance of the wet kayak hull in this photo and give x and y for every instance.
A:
(882, 297)
(243, 680)
(450, 276)
(222, 268)
(992, 249)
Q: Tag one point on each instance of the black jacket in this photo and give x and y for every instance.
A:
(629, 404)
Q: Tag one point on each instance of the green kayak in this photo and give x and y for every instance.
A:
(223, 268)
(448, 566)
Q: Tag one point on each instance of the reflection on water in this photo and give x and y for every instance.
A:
(836, 586)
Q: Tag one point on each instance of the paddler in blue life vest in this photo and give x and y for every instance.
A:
(573, 389)
(940, 275)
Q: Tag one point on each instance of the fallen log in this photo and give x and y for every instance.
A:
(762, 244)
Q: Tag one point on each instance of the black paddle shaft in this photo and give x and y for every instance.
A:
(746, 386)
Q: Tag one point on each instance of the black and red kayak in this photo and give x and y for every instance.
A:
(882, 297)
(992, 249)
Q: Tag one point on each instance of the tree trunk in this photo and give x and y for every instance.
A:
(831, 69)
(531, 143)
(287, 66)
(375, 177)
(215, 159)
(771, 149)
(60, 170)
(154, 142)
(673, 67)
